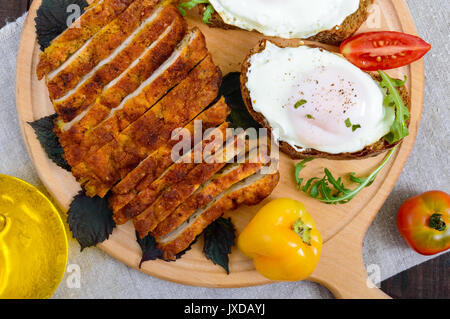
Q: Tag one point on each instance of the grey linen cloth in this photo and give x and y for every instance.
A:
(427, 169)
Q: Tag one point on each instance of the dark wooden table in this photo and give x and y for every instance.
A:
(428, 280)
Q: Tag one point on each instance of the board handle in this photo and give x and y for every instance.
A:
(341, 267)
(356, 286)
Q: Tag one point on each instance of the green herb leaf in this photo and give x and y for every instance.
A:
(43, 128)
(189, 5)
(300, 103)
(355, 127)
(337, 194)
(399, 129)
(309, 116)
(231, 90)
(298, 168)
(51, 19)
(348, 123)
(219, 238)
(90, 220)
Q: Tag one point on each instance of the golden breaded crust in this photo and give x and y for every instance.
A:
(250, 195)
(140, 182)
(369, 151)
(73, 103)
(93, 131)
(147, 191)
(334, 36)
(100, 171)
(207, 193)
(100, 47)
(176, 194)
(92, 21)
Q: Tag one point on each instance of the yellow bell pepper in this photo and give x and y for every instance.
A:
(283, 241)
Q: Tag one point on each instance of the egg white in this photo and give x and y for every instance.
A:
(333, 93)
(285, 18)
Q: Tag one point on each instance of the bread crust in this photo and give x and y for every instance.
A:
(369, 151)
(334, 36)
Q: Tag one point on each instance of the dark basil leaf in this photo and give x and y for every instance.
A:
(231, 90)
(49, 141)
(51, 19)
(90, 220)
(219, 238)
(149, 248)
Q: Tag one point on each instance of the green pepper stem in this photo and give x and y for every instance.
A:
(302, 230)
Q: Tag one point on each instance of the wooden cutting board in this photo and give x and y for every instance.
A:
(343, 227)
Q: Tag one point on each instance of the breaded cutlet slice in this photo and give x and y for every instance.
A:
(157, 37)
(173, 196)
(67, 75)
(250, 191)
(129, 97)
(158, 166)
(101, 170)
(95, 17)
(334, 36)
(147, 191)
(230, 175)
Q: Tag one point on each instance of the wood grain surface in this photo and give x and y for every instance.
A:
(397, 286)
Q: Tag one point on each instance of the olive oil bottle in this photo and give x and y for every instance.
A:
(33, 242)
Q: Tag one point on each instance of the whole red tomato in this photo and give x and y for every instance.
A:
(424, 222)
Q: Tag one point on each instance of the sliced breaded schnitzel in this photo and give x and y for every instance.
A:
(96, 16)
(250, 191)
(101, 170)
(146, 181)
(173, 196)
(230, 175)
(129, 97)
(67, 75)
(157, 37)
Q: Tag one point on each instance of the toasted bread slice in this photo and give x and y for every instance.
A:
(334, 36)
(371, 150)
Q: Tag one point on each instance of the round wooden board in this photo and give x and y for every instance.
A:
(341, 268)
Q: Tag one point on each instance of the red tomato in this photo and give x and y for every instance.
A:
(424, 222)
(383, 50)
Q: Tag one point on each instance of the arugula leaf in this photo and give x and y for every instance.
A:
(51, 19)
(298, 168)
(90, 220)
(149, 249)
(231, 90)
(219, 238)
(336, 194)
(43, 128)
(189, 5)
(399, 129)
